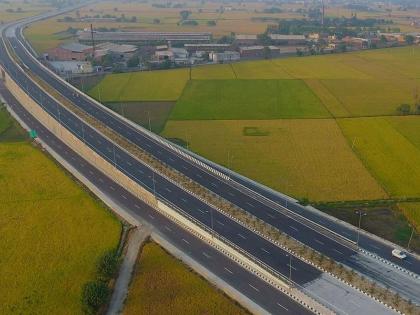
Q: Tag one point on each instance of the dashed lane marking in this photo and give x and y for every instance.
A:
(293, 228)
(319, 242)
(228, 270)
(253, 287)
(283, 307)
(264, 250)
(184, 240)
(241, 236)
(206, 255)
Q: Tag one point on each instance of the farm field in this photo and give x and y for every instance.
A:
(17, 9)
(53, 232)
(164, 85)
(305, 158)
(412, 211)
(164, 285)
(389, 155)
(247, 99)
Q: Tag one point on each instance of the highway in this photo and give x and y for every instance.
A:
(263, 250)
(257, 290)
(249, 198)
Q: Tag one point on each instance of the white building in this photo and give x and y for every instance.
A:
(225, 56)
(71, 67)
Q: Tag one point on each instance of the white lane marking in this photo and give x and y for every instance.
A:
(148, 145)
(203, 212)
(73, 158)
(250, 204)
(409, 262)
(222, 224)
(91, 173)
(159, 152)
(293, 228)
(185, 241)
(271, 216)
(345, 233)
(264, 250)
(374, 246)
(171, 159)
(137, 206)
(168, 190)
(151, 217)
(101, 180)
(336, 250)
(166, 227)
(124, 197)
(241, 236)
(232, 194)
(206, 255)
(228, 270)
(184, 167)
(283, 307)
(129, 163)
(213, 184)
(141, 172)
(112, 187)
(109, 149)
(253, 287)
(319, 242)
(184, 200)
(198, 175)
(294, 268)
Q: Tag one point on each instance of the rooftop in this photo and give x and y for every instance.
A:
(286, 37)
(75, 47)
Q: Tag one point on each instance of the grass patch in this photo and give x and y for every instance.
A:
(10, 130)
(305, 158)
(53, 233)
(391, 158)
(163, 85)
(164, 285)
(247, 99)
(254, 132)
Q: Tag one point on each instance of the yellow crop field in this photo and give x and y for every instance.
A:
(261, 69)
(370, 97)
(305, 158)
(408, 126)
(164, 285)
(213, 72)
(19, 9)
(412, 211)
(391, 158)
(52, 235)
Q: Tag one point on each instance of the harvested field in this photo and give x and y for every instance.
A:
(305, 158)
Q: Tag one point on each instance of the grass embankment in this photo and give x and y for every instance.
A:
(164, 285)
(52, 232)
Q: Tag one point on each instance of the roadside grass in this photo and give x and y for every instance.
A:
(247, 99)
(412, 211)
(163, 85)
(304, 158)
(164, 285)
(52, 231)
(390, 157)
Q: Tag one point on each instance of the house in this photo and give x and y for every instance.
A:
(281, 39)
(177, 55)
(69, 51)
(207, 47)
(252, 52)
(356, 42)
(226, 56)
(65, 68)
(244, 39)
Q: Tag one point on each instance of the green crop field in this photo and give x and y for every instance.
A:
(247, 99)
(164, 285)
(52, 231)
(261, 69)
(389, 155)
(305, 158)
(212, 72)
(164, 85)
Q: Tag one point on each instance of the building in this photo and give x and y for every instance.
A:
(85, 36)
(65, 68)
(207, 47)
(226, 56)
(119, 52)
(281, 39)
(244, 39)
(252, 52)
(356, 42)
(70, 51)
(177, 55)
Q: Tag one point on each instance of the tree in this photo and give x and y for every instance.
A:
(133, 62)
(404, 109)
(211, 23)
(184, 14)
(108, 264)
(409, 39)
(94, 295)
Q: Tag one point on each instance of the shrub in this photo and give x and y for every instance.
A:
(108, 264)
(94, 295)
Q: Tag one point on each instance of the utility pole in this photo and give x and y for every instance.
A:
(150, 125)
(154, 184)
(211, 222)
(115, 159)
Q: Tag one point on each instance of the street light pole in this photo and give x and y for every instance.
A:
(212, 222)
(290, 267)
(360, 213)
(411, 236)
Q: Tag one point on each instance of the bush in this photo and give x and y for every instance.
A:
(94, 295)
(108, 264)
(404, 109)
